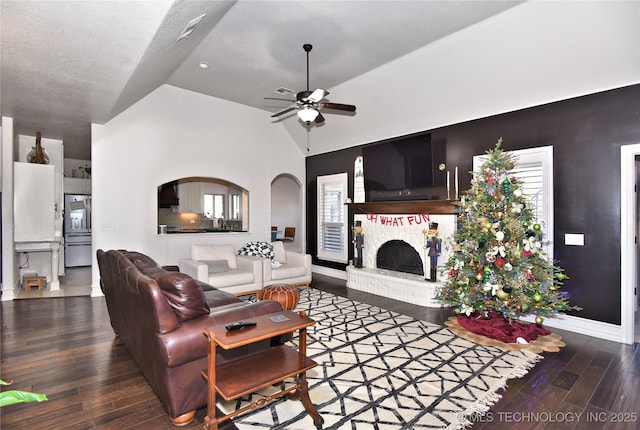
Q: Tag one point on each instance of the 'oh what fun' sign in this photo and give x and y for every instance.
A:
(398, 221)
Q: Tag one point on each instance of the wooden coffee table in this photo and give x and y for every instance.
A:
(254, 372)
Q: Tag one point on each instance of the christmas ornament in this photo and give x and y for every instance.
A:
(539, 320)
(502, 294)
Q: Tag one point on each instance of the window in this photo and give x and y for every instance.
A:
(218, 206)
(332, 216)
(534, 169)
(235, 206)
(208, 206)
(213, 205)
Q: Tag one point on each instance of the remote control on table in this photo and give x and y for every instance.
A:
(239, 324)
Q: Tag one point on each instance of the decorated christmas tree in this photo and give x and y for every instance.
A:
(499, 267)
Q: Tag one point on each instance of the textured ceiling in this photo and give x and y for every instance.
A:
(66, 64)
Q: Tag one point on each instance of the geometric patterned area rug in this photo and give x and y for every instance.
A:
(381, 370)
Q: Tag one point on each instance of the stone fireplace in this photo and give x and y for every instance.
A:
(400, 240)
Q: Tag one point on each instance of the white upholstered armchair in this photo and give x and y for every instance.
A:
(220, 267)
(288, 267)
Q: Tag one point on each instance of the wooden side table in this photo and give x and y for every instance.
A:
(254, 372)
(34, 281)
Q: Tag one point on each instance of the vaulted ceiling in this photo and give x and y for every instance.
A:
(67, 64)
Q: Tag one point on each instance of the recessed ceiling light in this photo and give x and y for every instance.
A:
(203, 65)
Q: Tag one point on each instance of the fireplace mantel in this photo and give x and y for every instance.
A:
(443, 207)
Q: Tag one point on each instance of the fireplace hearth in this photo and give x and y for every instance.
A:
(399, 256)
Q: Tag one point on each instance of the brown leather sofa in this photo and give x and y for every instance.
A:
(160, 314)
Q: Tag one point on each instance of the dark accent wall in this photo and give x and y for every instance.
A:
(586, 134)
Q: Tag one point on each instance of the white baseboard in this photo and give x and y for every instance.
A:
(584, 326)
(335, 273)
(570, 323)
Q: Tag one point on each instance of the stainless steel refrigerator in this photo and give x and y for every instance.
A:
(77, 230)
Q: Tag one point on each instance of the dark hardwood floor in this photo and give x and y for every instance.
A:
(65, 348)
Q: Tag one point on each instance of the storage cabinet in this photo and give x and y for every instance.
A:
(190, 197)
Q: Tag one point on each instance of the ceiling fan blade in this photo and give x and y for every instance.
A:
(318, 95)
(319, 118)
(282, 112)
(284, 100)
(339, 106)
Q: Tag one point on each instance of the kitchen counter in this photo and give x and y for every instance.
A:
(203, 230)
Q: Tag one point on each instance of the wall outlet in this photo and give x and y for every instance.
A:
(574, 239)
(192, 221)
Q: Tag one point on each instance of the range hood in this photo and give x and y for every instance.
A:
(168, 195)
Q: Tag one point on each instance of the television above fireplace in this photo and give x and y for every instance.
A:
(402, 169)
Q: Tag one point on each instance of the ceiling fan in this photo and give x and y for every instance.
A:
(308, 103)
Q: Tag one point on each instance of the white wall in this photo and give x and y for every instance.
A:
(9, 268)
(531, 54)
(174, 133)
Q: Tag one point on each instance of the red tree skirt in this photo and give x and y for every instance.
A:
(497, 327)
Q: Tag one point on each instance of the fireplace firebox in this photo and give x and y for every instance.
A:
(398, 255)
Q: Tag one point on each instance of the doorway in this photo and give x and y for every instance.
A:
(628, 247)
(286, 209)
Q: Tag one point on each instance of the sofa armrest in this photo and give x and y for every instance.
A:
(253, 264)
(266, 269)
(188, 342)
(300, 259)
(195, 269)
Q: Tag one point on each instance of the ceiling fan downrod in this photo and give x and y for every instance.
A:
(307, 48)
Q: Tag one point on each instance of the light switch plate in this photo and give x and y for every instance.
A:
(574, 239)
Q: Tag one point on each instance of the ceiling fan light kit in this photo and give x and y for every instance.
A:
(308, 103)
(308, 114)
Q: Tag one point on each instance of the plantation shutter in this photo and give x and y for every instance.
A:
(332, 233)
(534, 171)
(529, 176)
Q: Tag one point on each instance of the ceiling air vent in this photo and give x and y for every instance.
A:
(191, 26)
(284, 91)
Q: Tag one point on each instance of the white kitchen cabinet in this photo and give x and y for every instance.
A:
(34, 203)
(77, 186)
(55, 150)
(190, 197)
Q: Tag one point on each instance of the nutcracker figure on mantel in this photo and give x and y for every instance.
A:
(433, 245)
(358, 243)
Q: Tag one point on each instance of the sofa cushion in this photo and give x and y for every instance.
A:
(286, 271)
(257, 249)
(215, 252)
(183, 294)
(216, 298)
(280, 255)
(141, 261)
(217, 266)
(231, 278)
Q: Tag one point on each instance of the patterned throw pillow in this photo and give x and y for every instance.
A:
(258, 249)
(217, 266)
